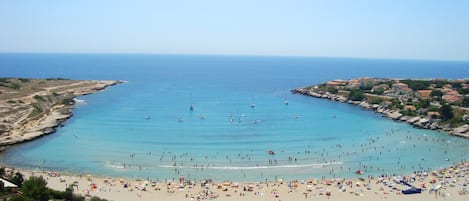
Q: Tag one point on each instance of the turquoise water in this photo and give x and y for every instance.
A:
(110, 136)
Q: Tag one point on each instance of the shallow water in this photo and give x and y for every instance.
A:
(144, 128)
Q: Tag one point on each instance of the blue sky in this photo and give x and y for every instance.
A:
(414, 29)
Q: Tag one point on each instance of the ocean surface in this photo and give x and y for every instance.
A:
(145, 129)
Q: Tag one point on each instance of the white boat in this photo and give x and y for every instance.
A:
(252, 105)
(286, 101)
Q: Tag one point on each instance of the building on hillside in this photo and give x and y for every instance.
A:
(335, 84)
(353, 84)
(366, 82)
(424, 94)
(382, 87)
(452, 96)
(410, 107)
(398, 85)
(447, 86)
(8, 185)
(433, 115)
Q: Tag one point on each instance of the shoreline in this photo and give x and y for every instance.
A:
(48, 122)
(450, 182)
(416, 121)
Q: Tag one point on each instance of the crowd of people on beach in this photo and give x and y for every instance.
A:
(448, 182)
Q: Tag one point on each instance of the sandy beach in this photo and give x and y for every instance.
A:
(446, 184)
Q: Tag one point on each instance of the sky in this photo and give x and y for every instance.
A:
(405, 29)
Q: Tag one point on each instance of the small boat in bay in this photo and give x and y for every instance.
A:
(191, 107)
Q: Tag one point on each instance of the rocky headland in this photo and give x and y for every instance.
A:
(31, 108)
(437, 104)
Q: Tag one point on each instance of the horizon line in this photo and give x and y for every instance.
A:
(244, 55)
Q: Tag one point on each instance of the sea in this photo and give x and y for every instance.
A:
(240, 128)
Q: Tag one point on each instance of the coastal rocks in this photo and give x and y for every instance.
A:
(365, 105)
(325, 95)
(39, 111)
(422, 123)
(462, 131)
(394, 115)
(413, 120)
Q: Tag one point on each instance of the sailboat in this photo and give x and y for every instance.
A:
(191, 107)
(286, 101)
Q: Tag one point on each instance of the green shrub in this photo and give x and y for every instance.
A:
(17, 179)
(58, 78)
(455, 121)
(94, 198)
(356, 95)
(446, 112)
(55, 194)
(20, 198)
(23, 79)
(67, 101)
(35, 188)
(39, 98)
(36, 110)
(376, 101)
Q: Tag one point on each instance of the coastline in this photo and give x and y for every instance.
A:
(418, 121)
(448, 183)
(58, 112)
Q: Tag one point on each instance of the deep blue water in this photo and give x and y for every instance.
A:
(109, 135)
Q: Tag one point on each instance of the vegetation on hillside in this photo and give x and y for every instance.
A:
(438, 99)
